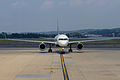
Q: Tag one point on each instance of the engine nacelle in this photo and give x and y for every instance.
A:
(79, 46)
(42, 46)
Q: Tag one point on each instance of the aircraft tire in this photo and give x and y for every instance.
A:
(70, 50)
(50, 50)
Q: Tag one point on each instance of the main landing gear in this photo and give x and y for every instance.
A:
(70, 50)
(50, 50)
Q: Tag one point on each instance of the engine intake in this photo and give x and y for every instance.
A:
(42, 46)
(80, 46)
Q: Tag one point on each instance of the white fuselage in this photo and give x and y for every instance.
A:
(62, 40)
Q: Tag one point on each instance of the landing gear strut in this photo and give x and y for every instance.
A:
(70, 50)
(50, 50)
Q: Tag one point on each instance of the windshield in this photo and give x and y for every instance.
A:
(63, 39)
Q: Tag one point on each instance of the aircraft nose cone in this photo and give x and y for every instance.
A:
(63, 43)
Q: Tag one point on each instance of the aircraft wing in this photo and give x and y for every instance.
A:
(99, 39)
(46, 42)
(75, 42)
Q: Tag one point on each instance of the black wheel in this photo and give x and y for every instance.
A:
(70, 50)
(50, 50)
(62, 52)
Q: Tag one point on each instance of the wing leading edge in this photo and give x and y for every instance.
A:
(46, 42)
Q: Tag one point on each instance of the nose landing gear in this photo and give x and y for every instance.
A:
(62, 51)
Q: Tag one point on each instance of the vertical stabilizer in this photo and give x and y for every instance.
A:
(57, 26)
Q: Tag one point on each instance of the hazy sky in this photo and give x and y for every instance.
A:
(41, 15)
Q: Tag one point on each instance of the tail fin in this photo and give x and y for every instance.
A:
(57, 26)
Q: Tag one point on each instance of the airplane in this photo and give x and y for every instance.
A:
(61, 41)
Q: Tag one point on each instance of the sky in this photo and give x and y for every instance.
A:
(41, 15)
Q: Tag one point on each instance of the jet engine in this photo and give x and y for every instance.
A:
(79, 46)
(42, 46)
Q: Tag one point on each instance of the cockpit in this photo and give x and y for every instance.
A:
(63, 39)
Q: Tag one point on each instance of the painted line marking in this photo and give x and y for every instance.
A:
(64, 68)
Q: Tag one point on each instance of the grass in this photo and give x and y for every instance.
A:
(11, 43)
(113, 45)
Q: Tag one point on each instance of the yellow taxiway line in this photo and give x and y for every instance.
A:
(64, 68)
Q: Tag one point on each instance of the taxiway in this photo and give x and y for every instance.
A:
(31, 64)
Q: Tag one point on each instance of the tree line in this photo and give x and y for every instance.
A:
(25, 35)
(35, 35)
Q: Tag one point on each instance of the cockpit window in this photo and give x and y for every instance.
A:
(63, 39)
